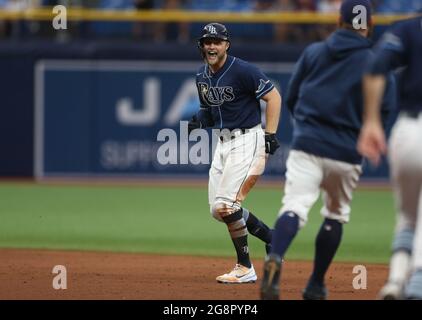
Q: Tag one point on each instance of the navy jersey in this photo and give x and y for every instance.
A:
(231, 96)
(325, 96)
(401, 46)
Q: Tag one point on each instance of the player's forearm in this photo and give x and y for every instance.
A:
(272, 111)
(374, 86)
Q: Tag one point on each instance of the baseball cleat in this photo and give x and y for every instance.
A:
(269, 286)
(240, 274)
(391, 291)
(314, 291)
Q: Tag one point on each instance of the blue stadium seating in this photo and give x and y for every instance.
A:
(395, 6)
(113, 28)
(255, 32)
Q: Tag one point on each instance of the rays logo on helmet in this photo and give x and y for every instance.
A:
(211, 29)
(215, 96)
(214, 30)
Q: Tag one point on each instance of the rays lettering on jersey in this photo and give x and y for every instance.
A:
(215, 96)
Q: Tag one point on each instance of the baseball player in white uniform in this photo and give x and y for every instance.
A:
(401, 46)
(230, 91)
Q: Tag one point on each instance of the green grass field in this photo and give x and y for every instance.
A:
(171, 220)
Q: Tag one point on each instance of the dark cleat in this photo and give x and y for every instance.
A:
(270, 283)
(314, 292)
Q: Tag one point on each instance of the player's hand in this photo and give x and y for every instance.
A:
(193, 124)
(271, 143)
(371, 143)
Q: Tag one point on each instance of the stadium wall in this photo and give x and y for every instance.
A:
(96, 108)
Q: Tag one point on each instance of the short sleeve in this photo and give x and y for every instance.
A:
(258, 82)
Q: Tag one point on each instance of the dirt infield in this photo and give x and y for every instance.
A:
(27, 274)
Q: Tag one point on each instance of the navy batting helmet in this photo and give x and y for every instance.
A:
(214, 31)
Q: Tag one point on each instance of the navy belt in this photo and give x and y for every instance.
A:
(240, 131)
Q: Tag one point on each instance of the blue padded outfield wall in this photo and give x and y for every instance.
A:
(98, 109)
(104, 117)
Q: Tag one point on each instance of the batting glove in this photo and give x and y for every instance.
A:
(271, 143)
(193, 124)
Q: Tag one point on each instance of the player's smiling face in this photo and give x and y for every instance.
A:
(215, 52)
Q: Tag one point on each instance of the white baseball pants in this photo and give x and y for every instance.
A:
(235, 168)
(405, 155)
(307, 175)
